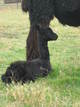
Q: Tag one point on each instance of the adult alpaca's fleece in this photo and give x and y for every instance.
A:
(66, 11)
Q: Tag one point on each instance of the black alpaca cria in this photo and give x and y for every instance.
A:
(22, 71)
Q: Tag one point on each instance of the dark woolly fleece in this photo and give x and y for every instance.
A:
(23, 71)
(67, 11)
(41, 12)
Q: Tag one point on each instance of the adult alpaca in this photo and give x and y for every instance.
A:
(41, 12)
(23, 71)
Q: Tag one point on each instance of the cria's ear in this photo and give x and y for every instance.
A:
(47, 33)
(25, 5)
(50, 35)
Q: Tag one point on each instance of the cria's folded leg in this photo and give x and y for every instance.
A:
(18, 71)
(15, 72)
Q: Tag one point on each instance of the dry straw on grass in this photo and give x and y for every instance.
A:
(35, 94)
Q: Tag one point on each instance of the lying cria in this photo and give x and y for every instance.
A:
(22, 71)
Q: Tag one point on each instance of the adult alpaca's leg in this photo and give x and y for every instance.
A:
(32, 51)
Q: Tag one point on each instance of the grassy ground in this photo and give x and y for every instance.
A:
(62, 87)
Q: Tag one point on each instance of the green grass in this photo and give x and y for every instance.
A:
(62, 86)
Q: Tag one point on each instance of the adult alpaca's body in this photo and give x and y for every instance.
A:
(41, 12)
(66, 11)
